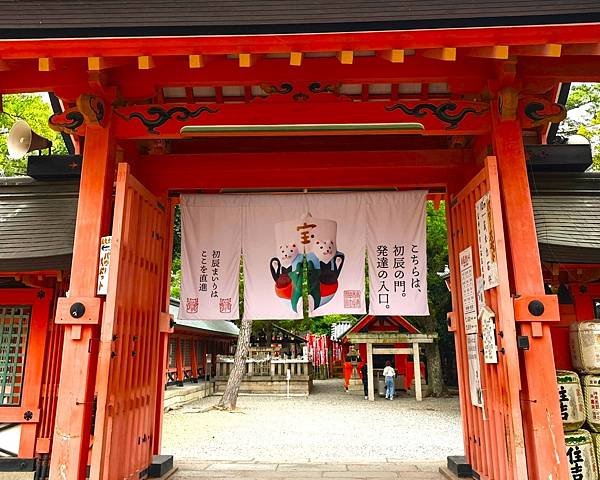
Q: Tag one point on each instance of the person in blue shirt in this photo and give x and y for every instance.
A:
(389, 373)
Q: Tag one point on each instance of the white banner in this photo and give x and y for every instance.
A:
(210, 253)
(337, 284)
(397, 252)
(273, 256)
(286, 233)
(285, 237)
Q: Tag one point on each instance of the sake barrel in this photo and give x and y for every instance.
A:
(585, 346)
(581, 457)
(570, 396)
(591, 400)
(596, 443)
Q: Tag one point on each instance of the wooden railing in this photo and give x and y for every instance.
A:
(274, 369)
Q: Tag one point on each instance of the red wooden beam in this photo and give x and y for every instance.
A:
(465, 75)
(296, 170)
(570, 68)
(439, 117)
(24, 77)
(318, 42)
(469, 72)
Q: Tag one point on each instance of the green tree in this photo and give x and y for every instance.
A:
(35, 111)
(440, 355)
(176, 260)
(583, 105)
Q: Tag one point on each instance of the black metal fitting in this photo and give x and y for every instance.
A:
(77, 310)
(536, 308)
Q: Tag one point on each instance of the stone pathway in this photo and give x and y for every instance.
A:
(189, 469)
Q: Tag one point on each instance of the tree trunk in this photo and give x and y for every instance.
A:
(229, 399)
(435, 380)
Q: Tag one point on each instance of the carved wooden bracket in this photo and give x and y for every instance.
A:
(93, 109)
(536, 112)
(508, 101)
(89, 109)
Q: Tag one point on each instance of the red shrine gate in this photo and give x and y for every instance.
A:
(495, 441)
(445, 110)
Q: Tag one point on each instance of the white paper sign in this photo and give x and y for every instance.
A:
(474, 370)
(468, 290)
(488, 330)
(104, 265)
(485, 239)
(210, 252)
(397, 251)
(480, 294)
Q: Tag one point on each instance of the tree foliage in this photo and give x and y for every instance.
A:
(583, 118)
(35, 111)
(441, 356)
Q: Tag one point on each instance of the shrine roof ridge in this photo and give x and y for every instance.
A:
(23, 19)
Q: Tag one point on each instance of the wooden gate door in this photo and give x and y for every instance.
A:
(490, 392)
(129, 341)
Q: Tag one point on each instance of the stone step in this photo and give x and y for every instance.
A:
(191, 469)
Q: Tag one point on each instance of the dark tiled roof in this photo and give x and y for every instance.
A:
(84, 18)
(37, 224)
(37, 220)
(567, 217)
(224, 327)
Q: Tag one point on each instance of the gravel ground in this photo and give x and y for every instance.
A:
(328, 426)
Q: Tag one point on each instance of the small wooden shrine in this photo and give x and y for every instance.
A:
(391, 336)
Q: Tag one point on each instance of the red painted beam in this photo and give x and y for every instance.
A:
(466, 75)
(567, 69)
(318, 42)
(296, 170)
(24, 77)
(439, 117)
(70, 78)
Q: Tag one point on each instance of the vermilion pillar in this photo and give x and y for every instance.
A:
(544, 439)
(71, 442)
(166, 329)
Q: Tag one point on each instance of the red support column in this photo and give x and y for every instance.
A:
(71, 443)
(544, 439)
(166, 329)
(179, 361)
(194, 361)
(204, 352)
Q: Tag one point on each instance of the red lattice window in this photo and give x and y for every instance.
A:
(14, 331)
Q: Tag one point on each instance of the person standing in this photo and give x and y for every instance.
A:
(365, 379)
(389, 373)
